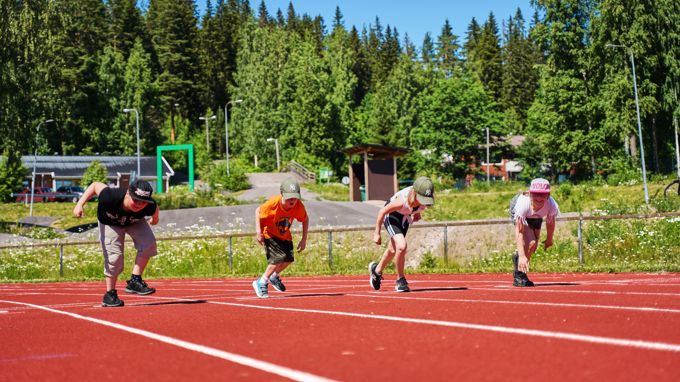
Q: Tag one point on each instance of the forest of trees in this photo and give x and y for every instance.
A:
(320, 85)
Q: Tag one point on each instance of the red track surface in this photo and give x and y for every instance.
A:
(623, 327)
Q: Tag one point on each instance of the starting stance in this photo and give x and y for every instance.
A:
(123, 211)
(398, 213)
(527, 213)
(273, 220)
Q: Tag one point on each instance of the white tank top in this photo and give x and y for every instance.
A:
(405, 209)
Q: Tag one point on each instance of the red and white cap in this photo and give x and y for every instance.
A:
(539, 186)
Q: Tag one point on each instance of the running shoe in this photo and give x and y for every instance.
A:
(375, 276)
(261, 289)
(138, 287)
(111, 299)
(402, 285)
(521, 280)
(277, 284)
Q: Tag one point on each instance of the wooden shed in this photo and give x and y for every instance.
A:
(376, 176)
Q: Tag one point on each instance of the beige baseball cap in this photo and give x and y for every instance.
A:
(290, 188)
(424, 190)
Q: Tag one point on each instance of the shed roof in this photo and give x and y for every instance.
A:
(376, 150)
(75, 166)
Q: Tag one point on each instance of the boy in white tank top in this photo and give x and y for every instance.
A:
(399, 212)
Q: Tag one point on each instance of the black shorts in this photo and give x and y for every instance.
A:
(534, 223)
(395, 223)
(278, 251)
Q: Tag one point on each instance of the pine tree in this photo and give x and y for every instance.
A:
(126, 25)
(519, 73)
(487, 54)
(173, 30)
(427, 51)
(447, 48)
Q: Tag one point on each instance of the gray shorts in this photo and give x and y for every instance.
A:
(278, 251)
(112, 239)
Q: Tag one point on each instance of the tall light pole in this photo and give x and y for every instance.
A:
(139, 174)
(488, 181)
(276, 144)
(172, 122)
(207, 131)
(226, 129)
(35, 159)
(637, 109)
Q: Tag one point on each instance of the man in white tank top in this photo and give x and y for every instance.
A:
(527, 214)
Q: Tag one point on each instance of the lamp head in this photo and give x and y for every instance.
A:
(270, 139)
(49, 120)
(238, 101)
(126, 110)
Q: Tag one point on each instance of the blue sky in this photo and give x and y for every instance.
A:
(415, 17)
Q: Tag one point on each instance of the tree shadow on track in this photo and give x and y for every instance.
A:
(436, 289)
(190, 302)
(313, 295)
(554, 284)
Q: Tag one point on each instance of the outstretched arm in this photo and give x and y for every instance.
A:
(390, 207)
(93, 189)
(258, 227)
(523, 261)
(303, 242)
(550, 226)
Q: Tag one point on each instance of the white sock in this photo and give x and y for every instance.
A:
(274, 275)
(264, 279)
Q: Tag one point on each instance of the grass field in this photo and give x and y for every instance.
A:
(609, 246)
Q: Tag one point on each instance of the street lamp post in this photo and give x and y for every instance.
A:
(226, 129)
(276, 144)
(35, 159)
(637, 109)
(139, 174)
(488, 181)
(172, 122)
(207, 131)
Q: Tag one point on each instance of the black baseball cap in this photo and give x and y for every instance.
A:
(141, 190)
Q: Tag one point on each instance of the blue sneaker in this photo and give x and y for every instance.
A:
(261, 289)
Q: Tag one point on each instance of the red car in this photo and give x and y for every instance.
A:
(41, 194)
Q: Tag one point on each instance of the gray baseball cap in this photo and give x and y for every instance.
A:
(424, 190)
(290, 188)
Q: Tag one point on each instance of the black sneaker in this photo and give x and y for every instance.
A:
(375, 276)
(138, 287)
(111, 299)
(277, 284)
(521, 280)
(402, 285)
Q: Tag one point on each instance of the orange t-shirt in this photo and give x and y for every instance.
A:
(276, 222)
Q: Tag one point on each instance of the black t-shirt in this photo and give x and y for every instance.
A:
(110, 210)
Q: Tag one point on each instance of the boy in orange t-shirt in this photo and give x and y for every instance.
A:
(273, 220)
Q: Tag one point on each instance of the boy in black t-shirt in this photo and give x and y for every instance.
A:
(123, 211)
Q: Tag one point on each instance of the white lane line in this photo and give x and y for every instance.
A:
(647, 345)
(267, 367)
(538, 303)
(539, 289)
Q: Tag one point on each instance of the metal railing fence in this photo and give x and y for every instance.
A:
(341, 229)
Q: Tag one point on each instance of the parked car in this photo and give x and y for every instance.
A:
(41, 194)
(69, 193)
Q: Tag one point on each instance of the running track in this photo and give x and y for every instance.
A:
(596, 327)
